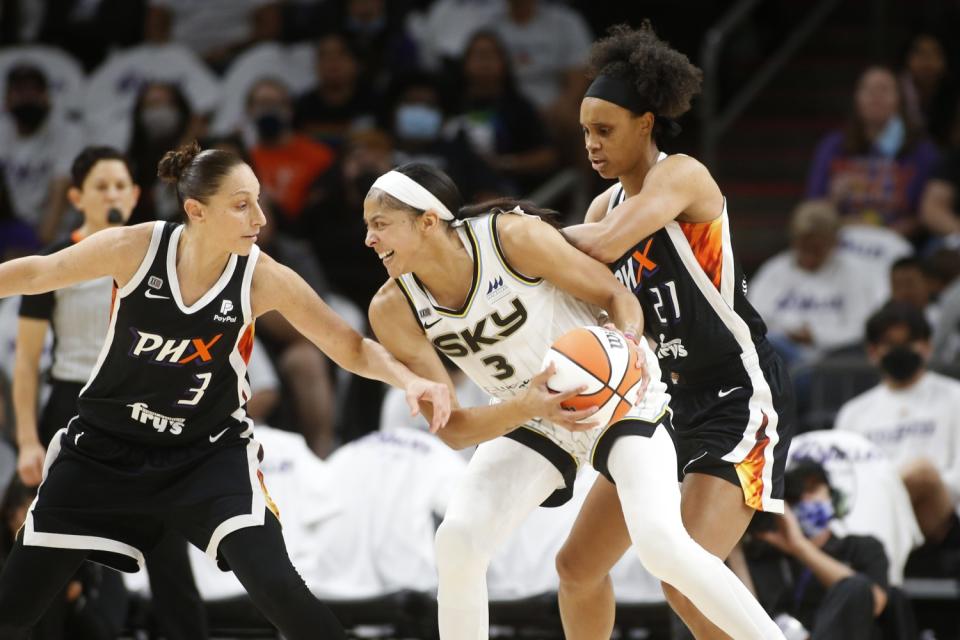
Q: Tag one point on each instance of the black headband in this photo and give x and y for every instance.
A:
(623, 93)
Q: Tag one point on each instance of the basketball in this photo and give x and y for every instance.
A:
(601, 360)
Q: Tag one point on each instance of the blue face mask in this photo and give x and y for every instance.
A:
(813, 515)
(418, 122)
(890, 139)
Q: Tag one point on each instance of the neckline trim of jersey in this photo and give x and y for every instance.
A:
(465, 309)
(212, 292)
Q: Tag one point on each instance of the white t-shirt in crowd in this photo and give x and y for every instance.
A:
(833, 302)
(65, 76)
(544, 49)
(922, 421)
(444, 30)
(877, 246)
(113, 87)
(874, 495)
(392, 489)
(31, 164)
(210, 24)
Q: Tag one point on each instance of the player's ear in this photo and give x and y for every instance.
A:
(428, 220)
(194, 210)
(73, 195)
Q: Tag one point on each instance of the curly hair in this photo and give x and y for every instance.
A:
(664, 76)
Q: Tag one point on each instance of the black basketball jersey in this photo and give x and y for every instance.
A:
(169, 374)
(693, 295)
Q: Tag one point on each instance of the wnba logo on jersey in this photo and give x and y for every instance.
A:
(175, 351)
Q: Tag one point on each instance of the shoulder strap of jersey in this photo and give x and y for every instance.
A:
(615, 198)
(160, 229)
(501, 256)
(246, 284)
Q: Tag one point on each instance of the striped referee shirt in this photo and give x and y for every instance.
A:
(79, 316)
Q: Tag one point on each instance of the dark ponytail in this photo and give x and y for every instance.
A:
(443, 188)
(196, 174)
(506, 205)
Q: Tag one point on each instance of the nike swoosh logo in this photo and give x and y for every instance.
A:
(723, 394)
(76, 438)
(150, 294)
(427, 326)
(217, 437)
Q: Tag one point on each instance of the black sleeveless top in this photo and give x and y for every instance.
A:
(169, 374)
(693, 295)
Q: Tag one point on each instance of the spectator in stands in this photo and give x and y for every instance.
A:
(286, 162)
(836, 586)
(17, 238)
(928, 89)
(89, 607)
(162, 120)
(875, 169)
(814, 298)
(500, 124)
(379, 37)
(416, 122)
(215, 29)
(939, 203)
(90, 29)
(910, 284)
(304, 370)
(548, 43)
(331, 214)
(341, 102)
(35, 152)
(913, 415)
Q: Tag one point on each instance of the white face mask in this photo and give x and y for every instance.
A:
(161, 121)
(890, 139)
(418, 122)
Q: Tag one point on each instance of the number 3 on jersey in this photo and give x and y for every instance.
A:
(503, 370)
(197, 392)
(666, 294)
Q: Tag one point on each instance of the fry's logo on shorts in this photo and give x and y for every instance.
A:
(178, 351)
(160, 422)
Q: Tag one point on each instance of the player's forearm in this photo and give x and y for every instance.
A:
(595, 241)
(625, 312)
(826, 569)
(375, 362)
(471, 426)
(25, 403)
(22, 276)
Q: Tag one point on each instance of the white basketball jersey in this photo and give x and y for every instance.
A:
(508, 322)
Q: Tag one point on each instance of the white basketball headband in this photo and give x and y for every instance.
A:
(409, 191)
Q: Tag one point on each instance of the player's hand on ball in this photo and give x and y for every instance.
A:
(437, 394)
(546, 404)
(30, 463)
(641, 363)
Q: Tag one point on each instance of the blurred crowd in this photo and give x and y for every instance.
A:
(324, 96)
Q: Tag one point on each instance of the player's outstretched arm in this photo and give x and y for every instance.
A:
(672, 187)
(536, 249)
(113, 252)
(278, 288)
(398, 331)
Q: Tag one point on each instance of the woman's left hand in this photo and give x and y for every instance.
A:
(437, 394)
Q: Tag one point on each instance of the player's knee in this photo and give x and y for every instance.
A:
(660, 546)
(458, 541)
(573, 572)
(921, 476)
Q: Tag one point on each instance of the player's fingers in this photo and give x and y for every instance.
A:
(566, 395)
(540, 380)
(577, 425)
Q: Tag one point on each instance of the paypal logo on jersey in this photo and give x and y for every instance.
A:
(226, 306)
(176, 351)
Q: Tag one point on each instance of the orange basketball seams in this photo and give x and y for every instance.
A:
(589, 353)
